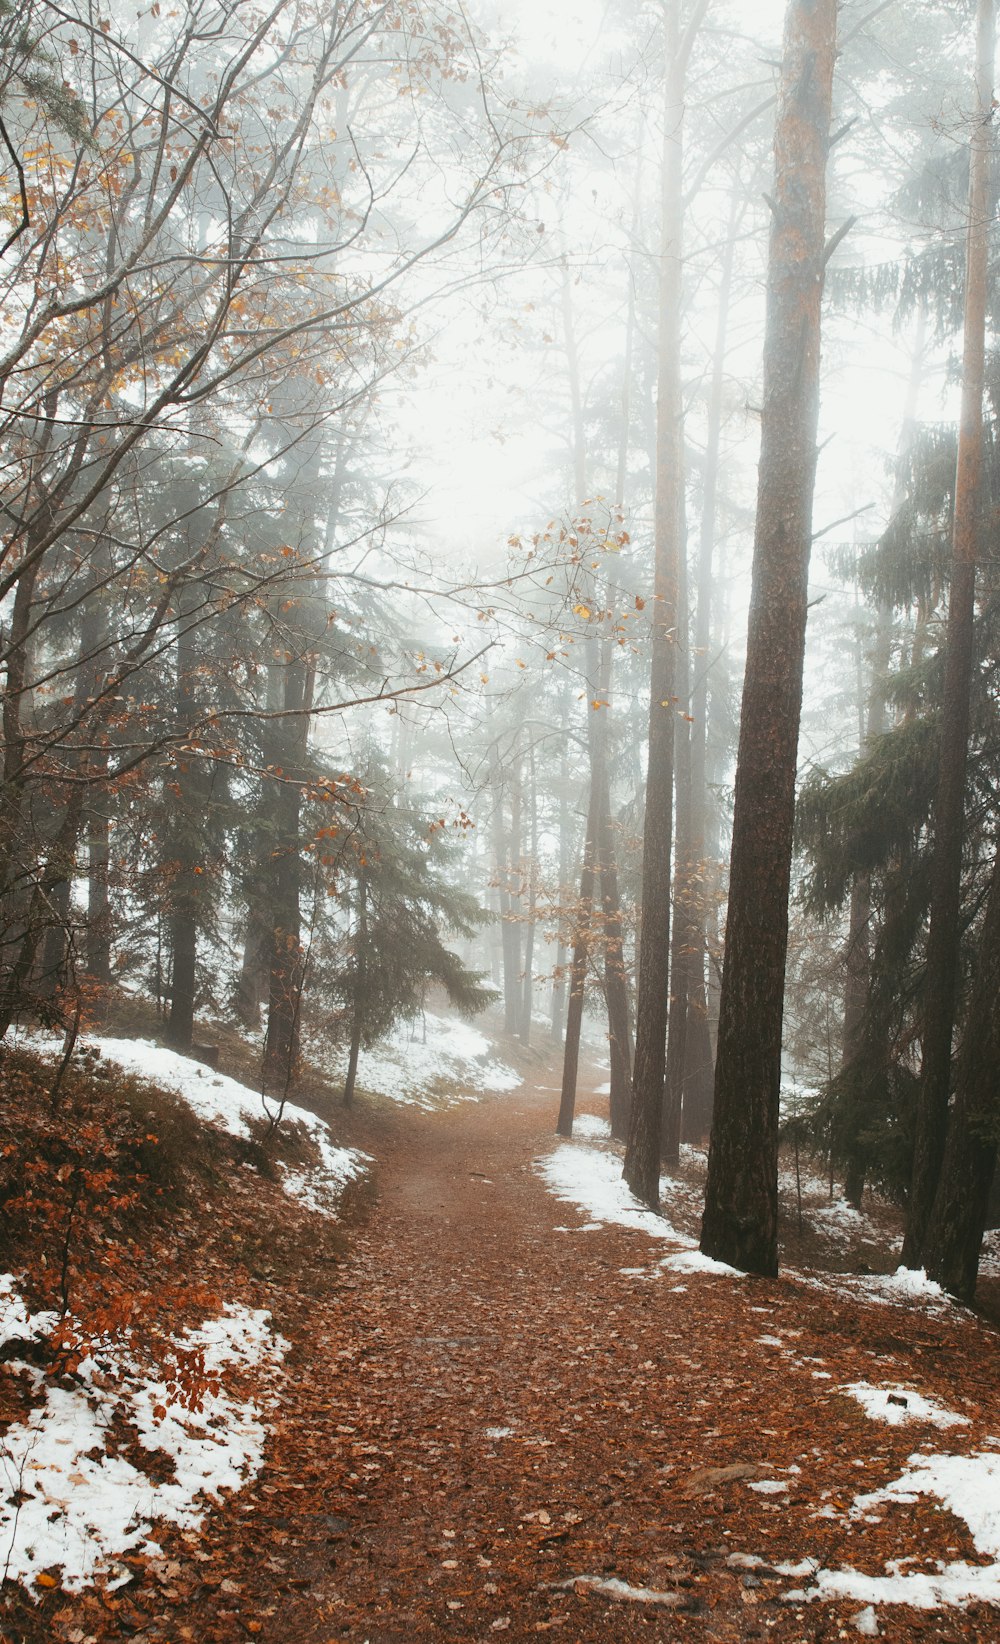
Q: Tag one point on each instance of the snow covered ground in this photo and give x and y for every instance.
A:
(433, 1062)
(969, 1487)
(71, 1500)
(586, 1172)
(231, 1107)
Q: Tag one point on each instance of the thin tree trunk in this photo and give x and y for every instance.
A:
(360, 982)
(286, 957)
(683, 936)
(188, 818)
(642, 1155)
(858, 953)
(99, 914)
(93, 636)
(949, 812)
(509, 931)
(740, 1223)
(253, 969)
(858, 958)
(517, 887)
(48, 880)
(529, 933)
(615, 978)
(696, 1114)
(578, 975)
(559, 979)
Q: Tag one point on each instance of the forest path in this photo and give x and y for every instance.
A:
(487, 1406)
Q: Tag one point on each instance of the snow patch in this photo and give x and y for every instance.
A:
(71, 1504)
(612, 1587)
(592, 1126)
(907, 1281)
(231, 1107)
(969, 1487)
(897, 1405)
(412, 1069)
(693, 1261)
(592, 1181)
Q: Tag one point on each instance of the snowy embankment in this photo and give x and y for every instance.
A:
(587, 1173)
(77, 1497)
(71, 1499)
(431, 1063)
(230, 1107)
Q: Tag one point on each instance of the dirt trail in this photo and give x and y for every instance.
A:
(493, 1408)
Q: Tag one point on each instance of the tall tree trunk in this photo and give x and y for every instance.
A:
(53, 967)
(47, 881)
(514, 775)
(938, 1007)
(531, 865)
(252, 985)
(615, 979)
(93, 636)
(858, 950)
(578, 974)
(510, 934)
(740, 1224)
(360, 984)
(642, 1155)
(253, 967)
(42, 874)
(286, 957)
(559, 979)
(598, 850)
(99, 913)
(683, 936)
(188, 821)
(696, 1114)
(858, 958)
(19, 865)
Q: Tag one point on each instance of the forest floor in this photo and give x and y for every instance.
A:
(497, 1418)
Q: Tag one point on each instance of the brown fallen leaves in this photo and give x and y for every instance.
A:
(489, 1429)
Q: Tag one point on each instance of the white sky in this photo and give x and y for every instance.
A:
(481, 462)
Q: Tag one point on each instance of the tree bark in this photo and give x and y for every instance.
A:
(683, 937)
(559, 979)
(615, 979)
(99, 913)
(286, 957)
(510, 935)
(360, 980)
(642, 1155)
(188, 822)
(696, 1112)
(740, 1223)
(949, 811)
(578, 975)
(858, 952)
(527, 981)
